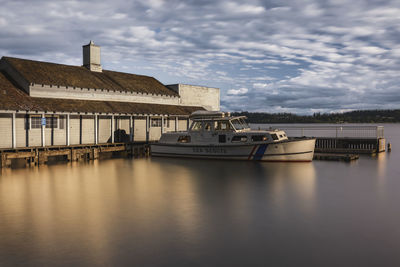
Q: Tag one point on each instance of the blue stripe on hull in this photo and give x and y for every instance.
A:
(260, 152)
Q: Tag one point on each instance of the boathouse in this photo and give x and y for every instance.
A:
(45, 104)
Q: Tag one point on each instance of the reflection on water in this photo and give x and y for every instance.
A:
(381, 168)
(100, 203)
(161, 211)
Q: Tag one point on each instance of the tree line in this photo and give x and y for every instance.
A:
(357, 116)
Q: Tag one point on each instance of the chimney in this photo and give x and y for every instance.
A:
(91, 57)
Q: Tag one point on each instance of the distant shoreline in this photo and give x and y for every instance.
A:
(358, 116)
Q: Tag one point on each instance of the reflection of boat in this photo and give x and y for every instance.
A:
(217, 135)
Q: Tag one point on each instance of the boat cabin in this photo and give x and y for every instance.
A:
(220, 127)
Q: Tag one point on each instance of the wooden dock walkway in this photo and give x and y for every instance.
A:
(341, 139)
(350, 145)
(32, 156)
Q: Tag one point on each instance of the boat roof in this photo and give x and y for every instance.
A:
(203, 115)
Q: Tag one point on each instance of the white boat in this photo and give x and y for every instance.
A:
(217, 135)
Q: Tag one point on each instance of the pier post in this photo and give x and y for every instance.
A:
(176, 124)
(42, 157)
(3, 162)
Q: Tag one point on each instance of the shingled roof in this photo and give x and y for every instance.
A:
(14, 98)
(75, 76)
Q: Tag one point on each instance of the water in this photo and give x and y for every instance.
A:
(179, 212)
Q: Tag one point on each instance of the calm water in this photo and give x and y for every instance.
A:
(177, 212)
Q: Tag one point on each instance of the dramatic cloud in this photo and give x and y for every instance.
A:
(240, 91)
(276, 56)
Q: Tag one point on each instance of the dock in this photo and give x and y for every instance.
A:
(333, 143)
(342, 139)
(34, 156)
(350, 145)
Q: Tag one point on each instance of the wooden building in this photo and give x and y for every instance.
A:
(47, 104)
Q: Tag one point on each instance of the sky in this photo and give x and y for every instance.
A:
(265, 56)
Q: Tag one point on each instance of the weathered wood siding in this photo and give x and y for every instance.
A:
(81, 130)
(60, 135)
(104, 129)
(140, 130)
(20, 126)
(155, 133)
(34, 135)
(5, 130)
(74, 130)
(182, 125)
(88, 130)
(171, 126)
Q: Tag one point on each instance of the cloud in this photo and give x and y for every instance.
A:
(264, 55)
(236, 8)
(240, 91)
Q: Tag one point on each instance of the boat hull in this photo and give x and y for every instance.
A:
(292, 150)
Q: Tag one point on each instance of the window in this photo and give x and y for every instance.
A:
(207, 126)
(61, 123)
(184, 139)
(239, 138)
(274, 136)
(36, 122)
(196, 126)
(240, 124)
(51, 122)
(222, 138)
(259, 138)
(155, 122)
(222, 126)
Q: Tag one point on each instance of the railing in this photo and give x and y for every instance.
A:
(361, 132)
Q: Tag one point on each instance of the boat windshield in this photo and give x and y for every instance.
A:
(240, 124)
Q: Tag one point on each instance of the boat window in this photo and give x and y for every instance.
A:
(184, 139)
(222, 138)
(258, 138)
(281, 136)
(196, 126)
(239, 124)
(274, 136)
(244, 123)
(222, 126)
(207, 126)
(239, 138)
